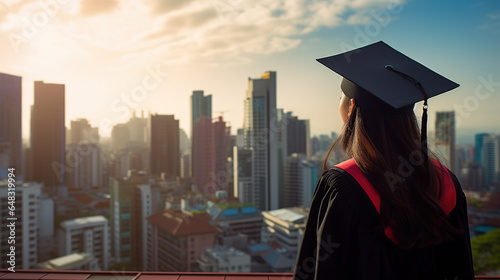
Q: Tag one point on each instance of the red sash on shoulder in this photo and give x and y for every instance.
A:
(447, 200)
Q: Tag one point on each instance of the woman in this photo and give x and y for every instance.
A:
(390, 212)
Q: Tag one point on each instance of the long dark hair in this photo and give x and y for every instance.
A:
(387, 149)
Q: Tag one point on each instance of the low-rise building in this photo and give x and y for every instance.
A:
(285, 227)
(224, 259)
(75, 261)
(178, 239)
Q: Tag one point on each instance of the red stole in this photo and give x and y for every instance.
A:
(447, 200)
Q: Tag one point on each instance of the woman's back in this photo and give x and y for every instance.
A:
(348, 236)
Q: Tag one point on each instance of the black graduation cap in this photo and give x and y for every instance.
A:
(381, 78)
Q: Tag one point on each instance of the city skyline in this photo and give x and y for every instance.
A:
(99, 54)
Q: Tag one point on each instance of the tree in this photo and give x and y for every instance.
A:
(486, 252)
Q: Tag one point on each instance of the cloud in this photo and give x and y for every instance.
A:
(183, 31)
(95, 7)
(491, 22)
(158, 7)
(493, 16)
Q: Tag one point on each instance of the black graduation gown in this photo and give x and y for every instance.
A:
(344, 239)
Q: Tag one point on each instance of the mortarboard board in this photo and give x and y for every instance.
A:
(381, 78)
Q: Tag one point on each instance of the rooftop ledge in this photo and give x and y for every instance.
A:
(135, 275)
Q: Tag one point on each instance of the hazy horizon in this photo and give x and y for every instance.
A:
(104, 50)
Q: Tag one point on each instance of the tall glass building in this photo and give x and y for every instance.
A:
(260, 135)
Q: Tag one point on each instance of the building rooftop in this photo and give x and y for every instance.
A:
(294, 215)
(259, 248)
(70, 260)
(228, 212)
(224, 252)
(121, 275)
(83, 221)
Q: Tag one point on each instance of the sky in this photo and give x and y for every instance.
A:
(117, 56)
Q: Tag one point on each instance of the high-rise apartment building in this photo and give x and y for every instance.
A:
(260, 135)
(445, 139)
(10, 124)
(211, 147)
(147, 200)
(204, 155)
(222, 133)
(48, 139)
(86, 235)
(242, 174)
(142, 207)
(300, 178)
(164, 150)
(26, 220)
(85, 171)
(120, 219)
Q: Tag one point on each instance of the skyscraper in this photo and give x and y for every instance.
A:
(48, 140)
(201, 105)
(479, 147)
(81, 132)
(445, 139)
(490, 155)
(260, 135)
(165, 154)
(204, 152)
(297, 136)
(210, 145)
(10, 123)
(222, 134)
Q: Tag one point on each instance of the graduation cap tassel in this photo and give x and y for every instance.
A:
(423, 134)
